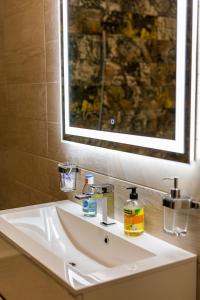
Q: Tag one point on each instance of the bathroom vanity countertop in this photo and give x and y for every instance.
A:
(43, 234)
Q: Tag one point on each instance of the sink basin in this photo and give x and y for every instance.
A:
(80, 251)
(107, 249)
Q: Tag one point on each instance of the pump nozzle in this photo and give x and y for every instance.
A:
(175, 191)
(133, 194)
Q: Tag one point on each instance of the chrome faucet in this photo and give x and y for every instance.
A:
(105, 192)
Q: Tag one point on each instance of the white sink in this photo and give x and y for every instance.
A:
(83, 253)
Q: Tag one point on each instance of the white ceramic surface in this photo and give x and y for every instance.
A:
(82, 252)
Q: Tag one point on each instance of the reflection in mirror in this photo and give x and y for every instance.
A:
(124, 74)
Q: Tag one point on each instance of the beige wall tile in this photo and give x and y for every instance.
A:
(28, 23)
(2, 69)
(54, 142)
(7, 131)
(31, 171)
(4, 111)
(7, 155)
(53, 102)
(27, 100)
(12, 7)
(59, 151)
(31, 136)
(26, 65)
(15, 194)
(52, 61)
(1, 38)
(56, 149)
(51, 20)
(2, 12)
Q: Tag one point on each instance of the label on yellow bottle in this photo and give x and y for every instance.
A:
(133, 220)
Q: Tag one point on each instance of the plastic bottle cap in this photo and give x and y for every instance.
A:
(88, 175)
(89, 179)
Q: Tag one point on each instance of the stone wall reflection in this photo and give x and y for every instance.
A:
(122, 56)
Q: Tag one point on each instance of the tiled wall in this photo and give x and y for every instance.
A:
(30, 145)
(28, 87)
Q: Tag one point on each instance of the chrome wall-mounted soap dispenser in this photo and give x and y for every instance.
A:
(176, 210)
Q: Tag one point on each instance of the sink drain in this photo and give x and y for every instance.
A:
(72, 264)
(106, 240)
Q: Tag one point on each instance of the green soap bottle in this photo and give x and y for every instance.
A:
(133, 214)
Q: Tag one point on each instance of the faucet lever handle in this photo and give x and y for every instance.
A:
(103, 188)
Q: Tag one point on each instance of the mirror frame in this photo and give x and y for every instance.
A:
(182, 148)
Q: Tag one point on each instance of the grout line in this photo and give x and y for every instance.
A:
(52, 41)
(34, 189)
(31, 83)
(45, 67)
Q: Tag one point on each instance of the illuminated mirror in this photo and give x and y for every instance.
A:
(128, 75)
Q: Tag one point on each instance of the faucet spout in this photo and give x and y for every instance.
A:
(105, 192)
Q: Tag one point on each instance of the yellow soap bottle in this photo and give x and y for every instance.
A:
(133, 214)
